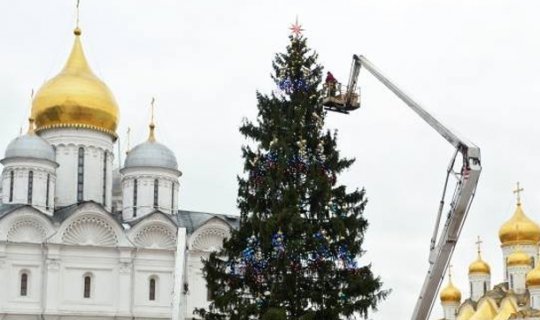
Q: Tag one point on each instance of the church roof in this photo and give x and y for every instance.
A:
(192, 220)
(6, 208)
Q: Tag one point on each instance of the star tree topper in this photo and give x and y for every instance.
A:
(296, 28)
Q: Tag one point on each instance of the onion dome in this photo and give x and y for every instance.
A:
(519, 229)
(75, 97)
(30, 146)
(450, 294)
(151, 154)
(533, 277)
(479, 265)
(518, 258)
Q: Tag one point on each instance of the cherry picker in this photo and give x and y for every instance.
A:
(347, 99)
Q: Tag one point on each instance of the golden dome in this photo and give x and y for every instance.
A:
(533, 277)
(479, 266)
(75, 97)
(519, 229)
(518, 258)
(450, 294)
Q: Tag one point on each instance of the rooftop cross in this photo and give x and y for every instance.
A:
(518, 193)
(77, 30)
(478, 243)
(152, 137)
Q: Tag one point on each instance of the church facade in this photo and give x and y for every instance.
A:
(518, 295)
(80, 239)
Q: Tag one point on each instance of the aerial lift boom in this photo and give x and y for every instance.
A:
(466, 182)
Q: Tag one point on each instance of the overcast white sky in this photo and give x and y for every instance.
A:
(475, 64)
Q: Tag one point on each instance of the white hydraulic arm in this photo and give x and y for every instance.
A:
(467, 180)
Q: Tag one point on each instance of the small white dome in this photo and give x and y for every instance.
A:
(151, 154)
(30, 146)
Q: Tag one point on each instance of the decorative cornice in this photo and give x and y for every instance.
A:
(78, 126)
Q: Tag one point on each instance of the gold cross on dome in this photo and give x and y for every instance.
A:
(518, 193)
(478, 243)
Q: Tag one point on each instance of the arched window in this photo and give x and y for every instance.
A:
(485, 287)
(156, 193)
(48, 190)
(80, 175)
(134, 198)
(152, 289)
(24, 284)
(511, 281)
(11, 181)
(104, 177)
(87, 286)
(30, 187)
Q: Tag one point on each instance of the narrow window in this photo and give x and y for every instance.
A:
(24, 284)
(104, 177)
(511, 281)
(172, 197)
(156, 193)
(80, 175)
(87, 286)
(47, 192)
(485, 287)
(134, 198)
(152, 289)
(470, 287)
(11, 181)
(30, 186)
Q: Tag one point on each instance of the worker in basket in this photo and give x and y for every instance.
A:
(331, 84)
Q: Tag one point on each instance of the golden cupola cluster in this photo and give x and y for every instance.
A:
(75, 97)
(519, 229)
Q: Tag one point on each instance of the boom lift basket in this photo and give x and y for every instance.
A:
(338, 100)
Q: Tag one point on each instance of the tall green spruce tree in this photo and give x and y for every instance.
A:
(297, 253)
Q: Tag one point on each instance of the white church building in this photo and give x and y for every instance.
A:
(80, 239)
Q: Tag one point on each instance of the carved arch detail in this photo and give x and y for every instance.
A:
(90, 230)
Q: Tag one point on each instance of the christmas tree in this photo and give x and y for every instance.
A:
(297, 253)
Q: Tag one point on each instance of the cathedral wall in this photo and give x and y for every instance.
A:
(19, 259)
(197, 295)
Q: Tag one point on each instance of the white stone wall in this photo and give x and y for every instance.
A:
(145, 178)
(517, 277)
(120, 260)
(21, 168)
(67, 142)
(534, 297)
(480, 283)
(59, 257)
(450, 310)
